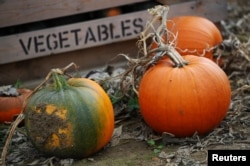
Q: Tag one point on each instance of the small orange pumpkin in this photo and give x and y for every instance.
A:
(181, 98)
(113, 12)
(11, 106)
(194, 35)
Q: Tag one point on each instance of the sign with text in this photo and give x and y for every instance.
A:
(72, 37)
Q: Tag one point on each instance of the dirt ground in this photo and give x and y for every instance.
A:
(135, 144)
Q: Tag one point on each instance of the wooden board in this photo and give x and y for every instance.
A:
(14, 12)
(98, 32)
(71, 37)
(86, 59)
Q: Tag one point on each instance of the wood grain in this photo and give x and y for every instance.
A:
(14, 12)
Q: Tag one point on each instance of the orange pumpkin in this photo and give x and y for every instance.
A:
(11, 106)
(185, 99)
(194, 34)
(113, 12)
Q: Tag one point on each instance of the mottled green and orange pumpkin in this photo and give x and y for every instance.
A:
(70, 118)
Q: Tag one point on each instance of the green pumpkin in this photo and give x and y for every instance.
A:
(70, 118)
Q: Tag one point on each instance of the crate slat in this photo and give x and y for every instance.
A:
(71, 37)
(14, 12)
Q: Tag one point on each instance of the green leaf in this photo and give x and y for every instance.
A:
(156, 151)
(133, 103)
(18, 84)
(160, 146)
(151, 142)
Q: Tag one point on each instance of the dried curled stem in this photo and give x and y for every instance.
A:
(153, 32)
(21, 116)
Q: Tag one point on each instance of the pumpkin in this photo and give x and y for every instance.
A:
(11, 106)
(71, 118)
(184, 98)
(194, 35)
(113, 12)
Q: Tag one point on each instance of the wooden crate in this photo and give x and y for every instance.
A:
(89, 42)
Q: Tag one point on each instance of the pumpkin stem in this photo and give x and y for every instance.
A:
(58, 76)
(175, 57)
(59, 81)
(154, 30)
(164, 48)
